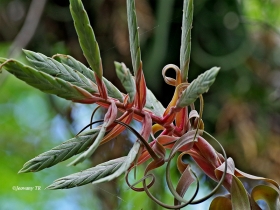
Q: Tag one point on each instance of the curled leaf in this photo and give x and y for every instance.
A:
(220, 203)
(268, 194)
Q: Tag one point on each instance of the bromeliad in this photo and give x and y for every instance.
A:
(178, 128)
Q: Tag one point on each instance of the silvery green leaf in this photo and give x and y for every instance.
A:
(185, 50)
(109, 118)
(133, 36)
(153, 104)
(197, 87)
(87, 176)
(73, 63)
(126, 79)
(112, 90)
(76, 65)
(86, 154)
(45, 82)
(100, 173)
(62, 152)
(129, 159)
(62, 71)
(86, 36)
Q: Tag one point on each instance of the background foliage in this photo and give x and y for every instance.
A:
(242, 108)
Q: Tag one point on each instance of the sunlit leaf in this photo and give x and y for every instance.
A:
(45, 82)
(197, 87)
(86, 36)
(268, 194)
(239, 197)
(62, 152)
(62, 71)
(89, 175)
(185, 50)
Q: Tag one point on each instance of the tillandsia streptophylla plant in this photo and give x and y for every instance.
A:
(179, 127)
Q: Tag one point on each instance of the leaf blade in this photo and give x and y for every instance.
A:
(239, 197)
(185, 49)
(113, 91)
(133, 36)
(126, 79)
(45, 82)
(87, 176)
(86, 36)
(268, 194)
(125, 165)
(61, 152)
(62, 71)
(197, 87)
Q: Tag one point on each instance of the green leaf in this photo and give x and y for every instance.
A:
(62, 152)
(100, 173)
(109, 118)
(112, 90)
(239, 197)
(153, 104)
(126, 79)
(87, 176)
(45, 82)
(73, 63)
(129, 159)
(185, 50)
(62, 71)
(268, 194)
(197, 87)
(133, 36)
(86, 36)
(76, 65)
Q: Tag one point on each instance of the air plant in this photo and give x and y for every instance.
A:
(178, 128)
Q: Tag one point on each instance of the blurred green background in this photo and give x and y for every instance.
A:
(242, 108)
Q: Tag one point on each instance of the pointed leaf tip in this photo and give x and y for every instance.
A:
(86, 36)
(197, 87)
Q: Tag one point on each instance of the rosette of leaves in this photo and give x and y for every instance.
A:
(179, 126)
